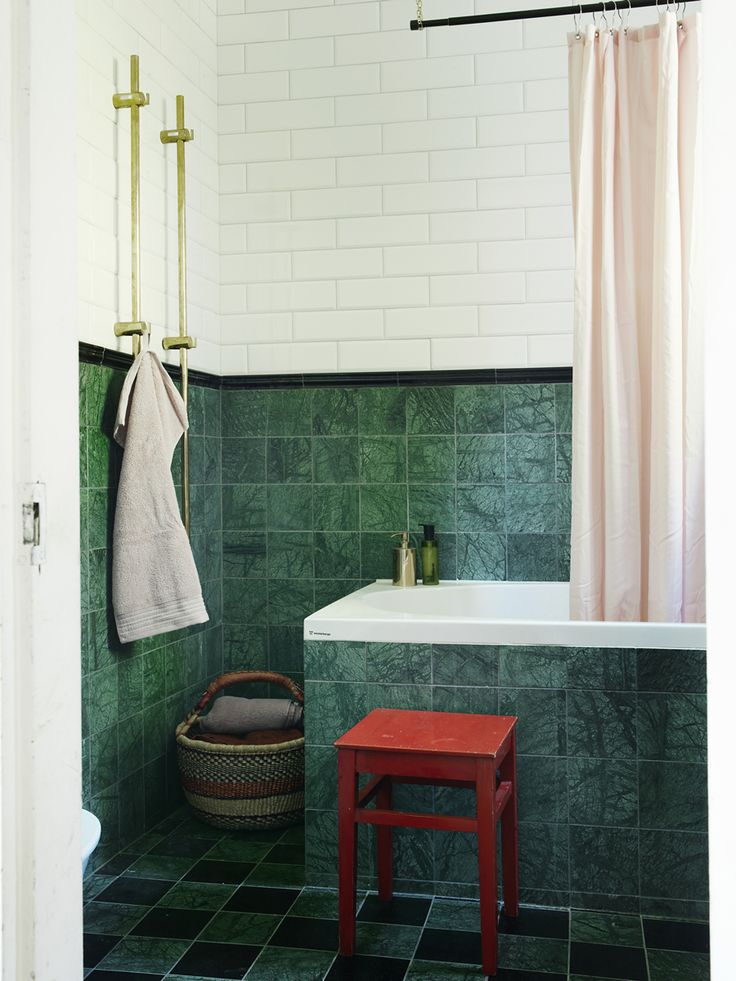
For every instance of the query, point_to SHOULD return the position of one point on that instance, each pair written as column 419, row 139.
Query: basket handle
column 233, row 677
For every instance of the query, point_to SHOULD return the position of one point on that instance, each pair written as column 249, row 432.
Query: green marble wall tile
column 457, row 664
column 335, row 412
column 430, row 410
column 289, row 412
column 285, row 649
column 532, row 667
column 382, row 411
column 533, row 558
column 481, row 556
column 102, row 459
column 289, row 507
column 196, row 409
column 530, row 408
column 130, row 743
column 243, row 460
column 212, row 411
column 603, row 792
column 196, row 461
column 83, row 465
column 563, row 461
column 673, row 796
column 383, row 507
column 598, row 667
column 336, row 459
column 602, row 724
column 328, row 591
column 337, row 554
column 289, row 460
column 674, row 864
column 102, row 687
column 399, row 663
column 103, row 759
column 479, row 409
column 245, row 602
column 245, row 647
column 604, row 860
column 244, row 555
column 531, row 508
column 432, row 504
column 244, row 413
column 244, row 507
column 326, row 660
column 672, row 727
column 431, row 459
column 530, row 458
column 376, row 556
column 383, row 459
column 675, row 671
column 130, row 686
column 542, row 713
column 477, row 700
column 337, row 508
column 563, row 408
column 290, row 600
column 542, row 789
column 393, row 696
column 544, row 856
column 481, row 508
column 291, row 555
column 341, row 706
column 320, row 777
column 481, row 459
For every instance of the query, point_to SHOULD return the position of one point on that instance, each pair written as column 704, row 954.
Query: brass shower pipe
column 134, row 100
column 182, row 343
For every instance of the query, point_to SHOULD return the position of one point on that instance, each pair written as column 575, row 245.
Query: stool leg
column 510, row 835
column 385, row 848
column 485, row 790
column 347, row 847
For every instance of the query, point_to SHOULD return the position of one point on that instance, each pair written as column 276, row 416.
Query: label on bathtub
column 319, row 633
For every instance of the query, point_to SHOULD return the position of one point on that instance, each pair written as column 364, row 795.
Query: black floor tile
column 96, row 946
column 671, row 935
column 122, row 976
column 550, row 923
column 607, row 961
column 408, row 910
column 182, row 846
column 306, row 933
column 259, row 899
column 217, row 960
column 452, row 946
column 285, row 854
column 361, row 968
column 209, row 870
column 135, row 891
column 505, row 974
column 181, row 924
column 118, row 864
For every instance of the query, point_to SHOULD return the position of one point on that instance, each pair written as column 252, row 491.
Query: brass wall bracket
column 126, row 100
column 132, row 328
column 177, row 135
column 177, row 343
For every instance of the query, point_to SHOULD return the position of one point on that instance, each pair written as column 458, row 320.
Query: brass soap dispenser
column 405, row 562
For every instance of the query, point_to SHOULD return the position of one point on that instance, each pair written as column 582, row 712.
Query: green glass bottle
column 430, row 558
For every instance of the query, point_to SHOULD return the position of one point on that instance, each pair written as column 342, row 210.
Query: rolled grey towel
column 233, row 716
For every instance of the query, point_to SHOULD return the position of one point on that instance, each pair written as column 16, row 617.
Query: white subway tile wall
column 406, row 203
column 177, row 44
column 361, row 197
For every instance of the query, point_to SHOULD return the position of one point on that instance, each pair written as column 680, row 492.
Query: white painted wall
column 176, row 42
column 391, row 200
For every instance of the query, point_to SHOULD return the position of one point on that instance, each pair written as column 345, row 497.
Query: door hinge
column 34, row 521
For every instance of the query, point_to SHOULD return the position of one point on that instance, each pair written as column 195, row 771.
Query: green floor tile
column 198, row 895
column 454, row 914
column 432, row 971
column 240, row 928
column 606, row 928
column 115, row 919
column 532, row 954
column 318, row 903
column 94, row 884
column 160, row 867
column 145, row 955
column 289, row 964
column 675, row 965
column 291, row 876
column 233, row 850
column 386, row 939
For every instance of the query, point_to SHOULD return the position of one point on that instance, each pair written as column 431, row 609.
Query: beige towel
column 155, row 586
column 234, row 715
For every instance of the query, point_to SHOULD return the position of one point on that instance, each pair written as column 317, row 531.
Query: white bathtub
column 511, row 613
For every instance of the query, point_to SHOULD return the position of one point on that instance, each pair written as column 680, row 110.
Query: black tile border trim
column 93, row 354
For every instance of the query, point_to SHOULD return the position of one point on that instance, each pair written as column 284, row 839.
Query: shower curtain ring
column 578, row 21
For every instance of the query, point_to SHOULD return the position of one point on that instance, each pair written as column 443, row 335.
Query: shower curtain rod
column 587, row 8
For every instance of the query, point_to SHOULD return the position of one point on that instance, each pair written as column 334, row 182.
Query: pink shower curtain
column 638, row 526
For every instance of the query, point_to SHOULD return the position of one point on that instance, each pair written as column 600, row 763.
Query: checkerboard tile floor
column 189, row 903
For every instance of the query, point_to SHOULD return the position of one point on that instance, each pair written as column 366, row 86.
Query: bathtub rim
column 344, row 621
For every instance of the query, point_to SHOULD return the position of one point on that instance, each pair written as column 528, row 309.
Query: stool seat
column 454, row 733
column 447, row 749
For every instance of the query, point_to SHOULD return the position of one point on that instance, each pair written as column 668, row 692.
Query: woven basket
column 241, row 787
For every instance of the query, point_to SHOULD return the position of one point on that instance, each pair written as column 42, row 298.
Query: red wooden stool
column 446, row 749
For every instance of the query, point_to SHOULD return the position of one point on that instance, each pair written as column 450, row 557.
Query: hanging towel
column 155, row 586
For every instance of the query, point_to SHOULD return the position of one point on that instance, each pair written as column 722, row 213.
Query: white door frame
column 40, row 710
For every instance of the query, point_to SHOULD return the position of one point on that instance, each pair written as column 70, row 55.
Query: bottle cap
column 428, row 533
